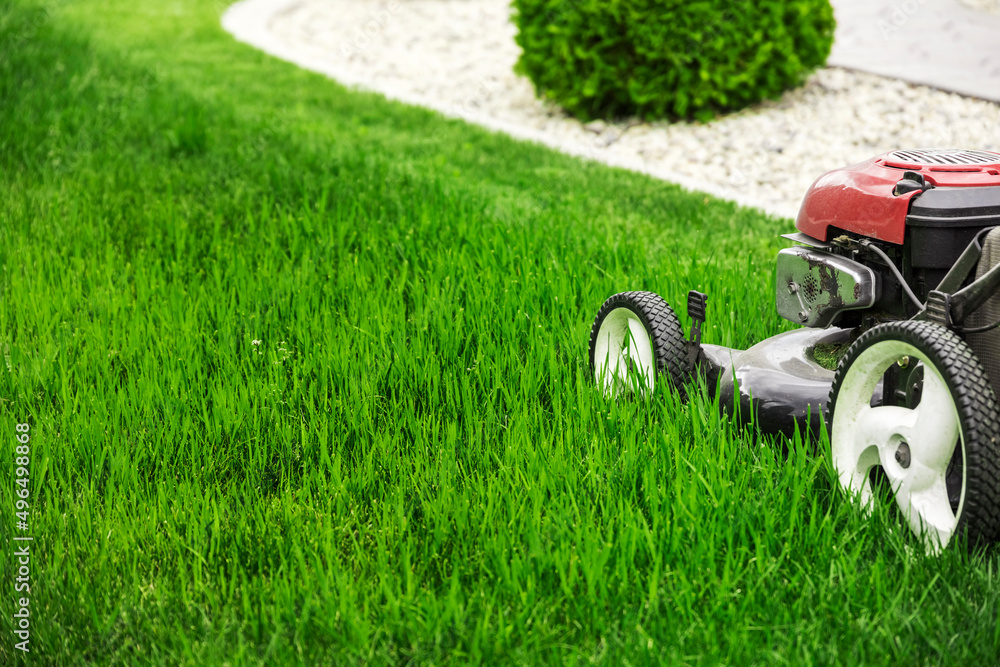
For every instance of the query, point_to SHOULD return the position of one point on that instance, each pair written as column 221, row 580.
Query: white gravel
column 457, row 56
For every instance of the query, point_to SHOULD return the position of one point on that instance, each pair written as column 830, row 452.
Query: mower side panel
column 858, row 199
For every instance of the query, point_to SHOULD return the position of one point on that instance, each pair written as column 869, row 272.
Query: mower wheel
column 636, row 339
column 935, row 432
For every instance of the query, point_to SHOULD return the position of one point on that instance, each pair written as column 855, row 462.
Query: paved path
column 938, row 43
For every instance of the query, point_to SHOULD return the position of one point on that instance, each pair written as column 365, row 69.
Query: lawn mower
column 895, row 280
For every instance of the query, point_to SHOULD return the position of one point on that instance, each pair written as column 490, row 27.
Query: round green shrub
column 669, row 58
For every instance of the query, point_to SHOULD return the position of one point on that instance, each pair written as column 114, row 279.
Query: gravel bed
column 457, row 56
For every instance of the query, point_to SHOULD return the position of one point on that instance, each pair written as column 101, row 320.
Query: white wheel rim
column 863, row 436
column 623, row 354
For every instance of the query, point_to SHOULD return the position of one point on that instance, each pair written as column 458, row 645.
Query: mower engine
column 896, row 283
column 883, row 234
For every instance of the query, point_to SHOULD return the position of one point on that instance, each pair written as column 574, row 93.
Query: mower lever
column 911, row 182
column 696, row 311
column 938, row 308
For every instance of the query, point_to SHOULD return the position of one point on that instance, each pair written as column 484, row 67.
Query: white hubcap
column 913, row 446
column 623, row 354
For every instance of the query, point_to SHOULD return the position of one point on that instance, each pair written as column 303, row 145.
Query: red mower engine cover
column 860, row 198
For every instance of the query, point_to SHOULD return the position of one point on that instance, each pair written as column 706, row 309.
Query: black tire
column 935, row 433
column 668, row 347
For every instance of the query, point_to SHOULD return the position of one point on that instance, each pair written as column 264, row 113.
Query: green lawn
column 412, row 464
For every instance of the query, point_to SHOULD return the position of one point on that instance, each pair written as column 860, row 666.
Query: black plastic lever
column 696, row 311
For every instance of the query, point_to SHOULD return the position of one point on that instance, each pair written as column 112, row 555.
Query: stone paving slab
column 938, row 43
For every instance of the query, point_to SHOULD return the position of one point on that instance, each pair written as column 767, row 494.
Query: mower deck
column 788, row 387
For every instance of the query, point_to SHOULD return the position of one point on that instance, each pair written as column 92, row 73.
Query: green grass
column 412, row 465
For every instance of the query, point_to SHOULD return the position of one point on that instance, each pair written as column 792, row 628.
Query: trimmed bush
column 669, row 58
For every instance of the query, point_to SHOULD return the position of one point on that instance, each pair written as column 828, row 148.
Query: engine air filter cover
column 936, row 159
